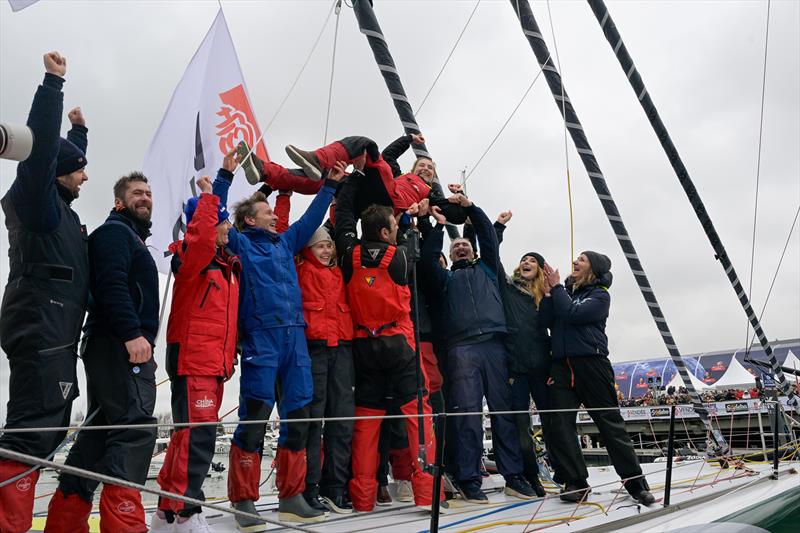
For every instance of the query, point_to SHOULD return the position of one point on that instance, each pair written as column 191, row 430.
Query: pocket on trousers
column 58, row 377
column 144, row 384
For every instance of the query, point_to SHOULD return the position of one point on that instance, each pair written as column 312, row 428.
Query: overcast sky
column 701, row 61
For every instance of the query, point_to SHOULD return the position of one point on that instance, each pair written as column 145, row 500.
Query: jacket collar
column 603, row 281
column 260, row 235
column 65, row 194
column 140, row 227
column 309, row 257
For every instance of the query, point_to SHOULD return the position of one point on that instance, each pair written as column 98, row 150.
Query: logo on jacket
column 373, row 252
column 205, row 403
column 370, row 280
column 65, row 388
column 126, row 507
column 238, row 123
column 24, row 484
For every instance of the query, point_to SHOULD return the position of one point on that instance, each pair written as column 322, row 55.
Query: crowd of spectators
column 681, row 396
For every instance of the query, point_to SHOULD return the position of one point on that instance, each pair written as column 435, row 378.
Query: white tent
column 677, row 382
column 792, row 362
column 735, row 376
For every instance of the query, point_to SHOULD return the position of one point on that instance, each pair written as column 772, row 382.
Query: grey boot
column 248, row 525
column 252, row 165
column 296, row 509
column 307, row 161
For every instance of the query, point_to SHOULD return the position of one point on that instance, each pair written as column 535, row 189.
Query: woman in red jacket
column 329, row 335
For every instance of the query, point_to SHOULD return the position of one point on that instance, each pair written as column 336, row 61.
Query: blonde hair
column 535, row 286
column 414, row 166
column 586, row 279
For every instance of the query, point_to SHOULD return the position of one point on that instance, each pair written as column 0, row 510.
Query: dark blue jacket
column 123, row 280
column 579, row 319
column 34, row 193
column 472, row 310
column 269, row 296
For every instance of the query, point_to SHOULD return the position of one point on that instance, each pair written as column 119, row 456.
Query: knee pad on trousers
column 67, row 513
column 16, row 499
column 121, row 510
column 297, row 432
column 244, row 474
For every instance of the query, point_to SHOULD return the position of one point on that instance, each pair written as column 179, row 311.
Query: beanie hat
column 600, row 263
column 538, row 257
column 70, row 158
column 191, row 207
column 319, row 236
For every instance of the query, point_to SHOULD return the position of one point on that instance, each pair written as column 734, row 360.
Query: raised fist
column 75, row 116
column 437, row 215
column 504, row 217
column 230, row 161
column 55, row 63
column 204, row 184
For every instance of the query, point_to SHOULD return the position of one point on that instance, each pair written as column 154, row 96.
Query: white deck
column 703, row 491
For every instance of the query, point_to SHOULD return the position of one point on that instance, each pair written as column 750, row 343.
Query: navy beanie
column 70, row 158
column 600, row 263
column 538, row 257
column 191, row 207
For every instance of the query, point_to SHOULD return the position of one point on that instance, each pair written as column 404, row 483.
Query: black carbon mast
column 534, row 36
column 637, row 84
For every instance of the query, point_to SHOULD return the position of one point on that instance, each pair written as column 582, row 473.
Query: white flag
column 19, row 5
column 208, row 115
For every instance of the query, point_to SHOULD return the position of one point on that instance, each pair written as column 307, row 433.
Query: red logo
column 238, row 123
column 24, row 484
column 126, row 507
column 246, row 461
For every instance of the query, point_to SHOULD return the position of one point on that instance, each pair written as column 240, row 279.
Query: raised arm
column 393, row 152
column 283, row 206
column 344, row 233
column 200, row 242
column 33, row 192
column 77, row 135
column 434, row 274
column 487, row 238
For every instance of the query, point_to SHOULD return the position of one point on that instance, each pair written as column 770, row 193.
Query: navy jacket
column 579, row 319
column 472, row 310
column 123, row 280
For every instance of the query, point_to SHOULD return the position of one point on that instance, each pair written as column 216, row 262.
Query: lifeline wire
column 79, row 472
column 598, row 181
column 637, row 84
column 447, row 60
column 758, row 178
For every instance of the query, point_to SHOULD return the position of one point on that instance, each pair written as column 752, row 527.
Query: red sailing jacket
column 205, row 298
column 324, row 303
column 404, row 190
column 380, row 306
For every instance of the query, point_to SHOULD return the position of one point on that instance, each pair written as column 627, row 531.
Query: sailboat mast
column 637, row 84
column 532, row 32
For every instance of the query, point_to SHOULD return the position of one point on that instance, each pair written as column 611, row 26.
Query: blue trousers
column 270, row 357
column 476, row 371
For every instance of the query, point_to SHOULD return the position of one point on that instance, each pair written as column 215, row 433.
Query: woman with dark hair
column 581, row 374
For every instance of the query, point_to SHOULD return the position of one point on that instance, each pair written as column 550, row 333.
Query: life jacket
column 325, row 305
column 203, row 319
column 380, row 307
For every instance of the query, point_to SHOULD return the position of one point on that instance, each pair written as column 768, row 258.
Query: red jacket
column 205, row 298
column 324, row 303
column 404, row 190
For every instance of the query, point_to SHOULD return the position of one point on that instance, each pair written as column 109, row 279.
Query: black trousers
column 125, row 395
column 589, row 381
column 523, row 388
column 332, row 370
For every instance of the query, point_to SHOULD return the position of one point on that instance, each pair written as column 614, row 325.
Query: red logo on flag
column 238, row 123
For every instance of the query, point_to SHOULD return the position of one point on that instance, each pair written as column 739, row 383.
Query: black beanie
column 538, row 257
column 600, row 263
column 70, row 158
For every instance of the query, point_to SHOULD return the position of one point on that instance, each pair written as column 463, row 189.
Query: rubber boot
column 296, row 509
column 245, row 524
column 364, row 484
column 67, row 514
column 16, row 499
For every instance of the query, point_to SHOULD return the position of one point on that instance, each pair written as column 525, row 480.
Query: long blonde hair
column 586, row 279
column 535, row 286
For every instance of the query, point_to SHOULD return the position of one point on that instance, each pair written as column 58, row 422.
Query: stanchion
column 775, row 439
column 441, row 421
column 670, row 451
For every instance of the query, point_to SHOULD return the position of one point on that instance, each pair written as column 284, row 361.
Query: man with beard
column 474, row 327
column 45, row 298
column 120, row 333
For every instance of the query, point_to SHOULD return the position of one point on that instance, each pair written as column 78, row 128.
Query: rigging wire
column 566, row 145
column 447, row 60
column 758, row 175
column 333, row 69
column 503, row 127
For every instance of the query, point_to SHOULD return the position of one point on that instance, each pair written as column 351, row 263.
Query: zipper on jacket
column 211, row 283
column 571, row 375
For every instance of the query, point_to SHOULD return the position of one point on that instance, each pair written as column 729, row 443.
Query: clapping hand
column 551, row 277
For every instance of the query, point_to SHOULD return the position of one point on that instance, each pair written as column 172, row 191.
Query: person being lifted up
column 201, row 344
column 474, row 330
column 376, row 271
column 273, row 348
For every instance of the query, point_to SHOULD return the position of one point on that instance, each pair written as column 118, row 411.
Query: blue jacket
column 578, row 328
column 472, row 310
column 269, row 296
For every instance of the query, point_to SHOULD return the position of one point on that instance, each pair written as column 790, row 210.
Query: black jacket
column 579, row 318
column 469, row 293
column 123, row 280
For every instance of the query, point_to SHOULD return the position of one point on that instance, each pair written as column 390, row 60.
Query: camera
column 16, row 142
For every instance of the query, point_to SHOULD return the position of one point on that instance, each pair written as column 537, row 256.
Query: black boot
column 575, row 492
column 311, row 496
column 336, row 502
